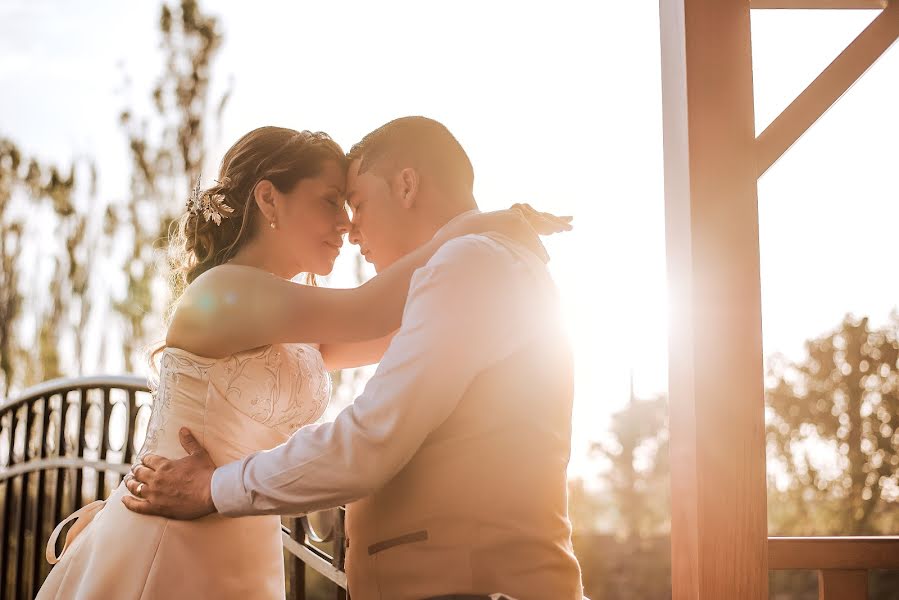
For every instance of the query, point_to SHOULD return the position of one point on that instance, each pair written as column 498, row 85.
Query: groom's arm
column 474, row 304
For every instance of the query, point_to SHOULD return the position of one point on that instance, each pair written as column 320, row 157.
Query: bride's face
column 312, row 221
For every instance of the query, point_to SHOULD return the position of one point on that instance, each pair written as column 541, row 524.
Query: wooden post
column 843, row 585
column 719, row 528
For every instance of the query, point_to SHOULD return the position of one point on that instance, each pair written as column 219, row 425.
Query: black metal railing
column 68, row 442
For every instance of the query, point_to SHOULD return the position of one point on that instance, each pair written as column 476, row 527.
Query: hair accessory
column 211, row 206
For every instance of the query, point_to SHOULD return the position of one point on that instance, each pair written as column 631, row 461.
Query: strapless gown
column 236, row 405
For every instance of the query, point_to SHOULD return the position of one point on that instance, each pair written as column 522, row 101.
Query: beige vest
column 482, row 506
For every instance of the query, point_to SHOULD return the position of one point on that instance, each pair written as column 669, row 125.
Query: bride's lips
column 336, row 247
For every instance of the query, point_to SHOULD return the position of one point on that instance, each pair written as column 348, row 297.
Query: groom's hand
column 177, row 489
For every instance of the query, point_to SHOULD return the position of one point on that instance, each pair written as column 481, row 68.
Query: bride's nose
column 343, row 222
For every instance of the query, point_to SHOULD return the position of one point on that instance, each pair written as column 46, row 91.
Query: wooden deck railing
column 67, row 442
column 842, row 563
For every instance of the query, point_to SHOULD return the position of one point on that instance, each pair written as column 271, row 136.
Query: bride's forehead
column 333, row 173
column 330, row 176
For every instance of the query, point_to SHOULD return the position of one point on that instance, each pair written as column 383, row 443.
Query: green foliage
column 10, row 245
column 831, row 432
column 167, row 153
column 37, row 207
column 44, row 314
column 621, row 530
column 639, row 475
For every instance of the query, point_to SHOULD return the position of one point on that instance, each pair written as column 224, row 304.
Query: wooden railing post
column 842, row 585
column 842, row 563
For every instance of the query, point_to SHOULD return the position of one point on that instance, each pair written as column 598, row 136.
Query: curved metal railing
column 67, row 442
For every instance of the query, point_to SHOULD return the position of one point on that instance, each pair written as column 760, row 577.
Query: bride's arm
column 232, row 308
column 355, row 354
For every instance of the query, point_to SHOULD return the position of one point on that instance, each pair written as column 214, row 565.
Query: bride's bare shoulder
column 211, row 304
column 227, row 275
column 220, row 288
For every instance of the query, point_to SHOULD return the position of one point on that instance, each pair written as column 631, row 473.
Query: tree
column 831, row 430
column 37, row 206
column 10, row 245
column 167, row 155
column 639, row 474
column 636, row 565
column 54, row 232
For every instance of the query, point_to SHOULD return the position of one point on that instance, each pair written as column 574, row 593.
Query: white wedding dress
column 234, row 406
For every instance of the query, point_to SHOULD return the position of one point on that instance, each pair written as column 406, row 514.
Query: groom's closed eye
column 353, row 206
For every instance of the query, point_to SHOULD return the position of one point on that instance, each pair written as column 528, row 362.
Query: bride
column 256, row 372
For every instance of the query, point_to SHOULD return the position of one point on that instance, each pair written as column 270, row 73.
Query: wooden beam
column 819, row 4
column 829, row 86
column 837, row 553
column 718, row 496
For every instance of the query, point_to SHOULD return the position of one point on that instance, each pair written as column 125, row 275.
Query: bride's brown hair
column 277, row 154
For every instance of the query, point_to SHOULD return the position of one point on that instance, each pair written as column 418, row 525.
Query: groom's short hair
column 418, row 142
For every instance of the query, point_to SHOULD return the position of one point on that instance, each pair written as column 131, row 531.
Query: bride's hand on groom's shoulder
column 176, row 489
column 521, row 222
column 543, row 223
column 518, row 222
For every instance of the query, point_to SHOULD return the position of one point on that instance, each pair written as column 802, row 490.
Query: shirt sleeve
column 471, row 306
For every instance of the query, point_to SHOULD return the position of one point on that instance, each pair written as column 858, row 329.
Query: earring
column 272, row 225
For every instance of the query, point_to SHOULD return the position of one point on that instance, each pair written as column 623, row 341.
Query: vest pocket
column 409, row 538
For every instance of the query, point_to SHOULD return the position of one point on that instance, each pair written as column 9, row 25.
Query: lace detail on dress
column 287, row 392
column 170, row 370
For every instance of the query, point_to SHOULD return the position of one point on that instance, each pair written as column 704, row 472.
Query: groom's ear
column 408, row 182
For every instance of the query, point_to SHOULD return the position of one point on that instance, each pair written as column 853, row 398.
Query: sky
column 558, row 104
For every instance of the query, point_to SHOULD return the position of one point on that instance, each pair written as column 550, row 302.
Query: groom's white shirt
column 477, row 301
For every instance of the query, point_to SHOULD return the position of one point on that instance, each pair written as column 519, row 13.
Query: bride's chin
column 326, row 268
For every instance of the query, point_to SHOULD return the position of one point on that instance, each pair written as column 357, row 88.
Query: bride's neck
column 260, row 255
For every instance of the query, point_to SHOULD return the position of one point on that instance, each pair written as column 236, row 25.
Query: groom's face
column 378, row 217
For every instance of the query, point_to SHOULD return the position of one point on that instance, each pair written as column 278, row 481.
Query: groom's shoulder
column 474, row 251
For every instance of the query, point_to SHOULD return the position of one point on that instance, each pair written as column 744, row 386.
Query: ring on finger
column 140, row 488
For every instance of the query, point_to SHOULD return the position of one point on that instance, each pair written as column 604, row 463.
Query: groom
column 453, row 460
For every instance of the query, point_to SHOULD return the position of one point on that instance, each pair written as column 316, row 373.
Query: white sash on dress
column 85, row 515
